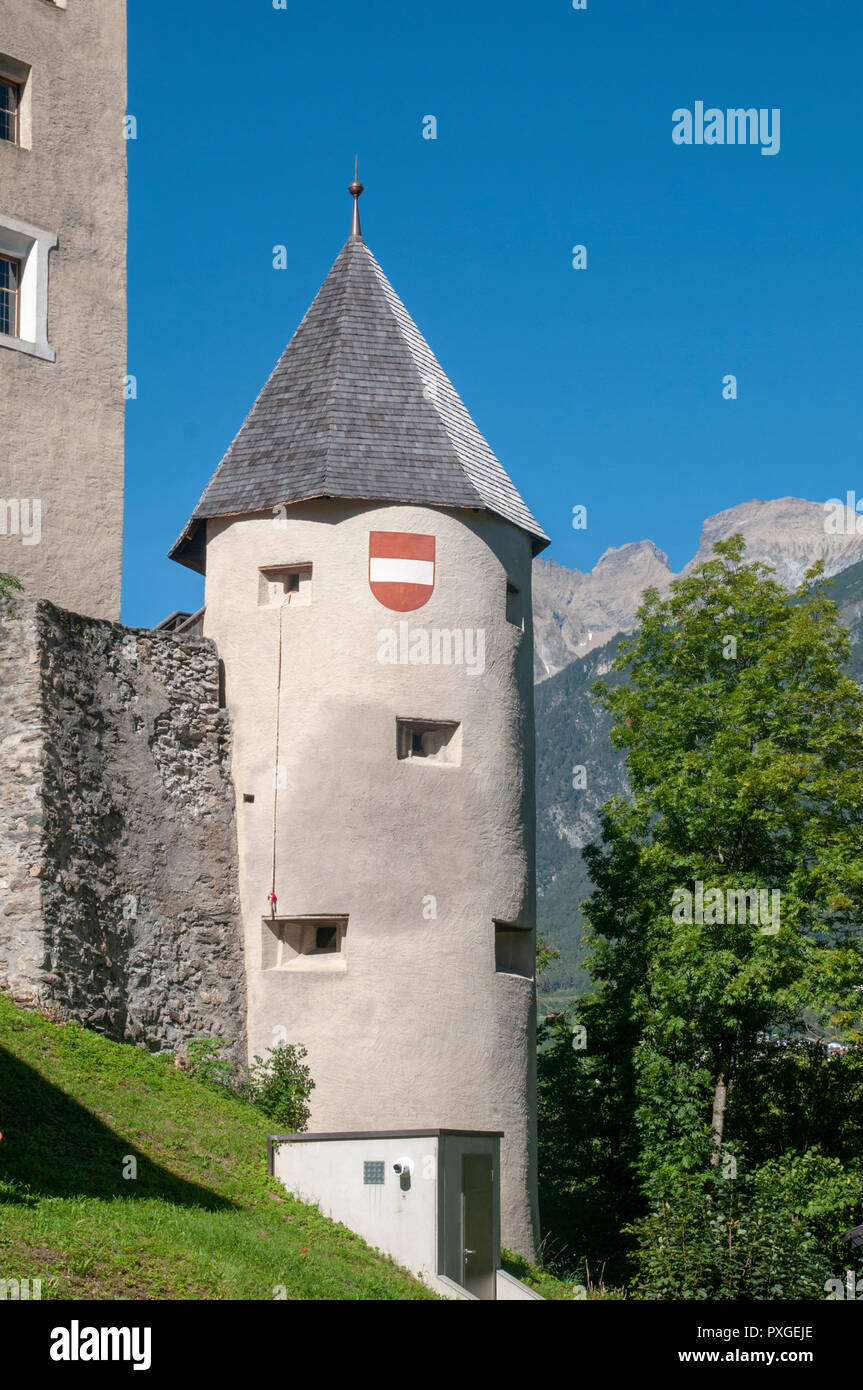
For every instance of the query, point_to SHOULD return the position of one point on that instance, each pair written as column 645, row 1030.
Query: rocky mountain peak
column 575, row 612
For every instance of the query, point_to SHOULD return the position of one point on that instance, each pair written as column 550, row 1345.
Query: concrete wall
column 417, row 1028
column 118, row 862
column 399, row 1219
column 512, row 1290
column 61, row 422
column 416, row 1219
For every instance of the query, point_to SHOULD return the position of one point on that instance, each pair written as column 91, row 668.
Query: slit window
column 10, row 295
column 514, row 606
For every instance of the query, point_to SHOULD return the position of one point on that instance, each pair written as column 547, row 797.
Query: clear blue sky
column 601, row 387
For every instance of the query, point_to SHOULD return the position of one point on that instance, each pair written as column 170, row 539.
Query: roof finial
column 355, row 189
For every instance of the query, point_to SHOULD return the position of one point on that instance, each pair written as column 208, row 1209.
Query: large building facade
column 368, row 569
column 63, row 299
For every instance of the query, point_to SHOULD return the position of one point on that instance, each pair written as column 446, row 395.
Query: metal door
column 477, row 1225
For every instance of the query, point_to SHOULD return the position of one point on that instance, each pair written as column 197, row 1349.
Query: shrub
column 205, row 1062
column 280, row 1086
column 8, row 585
column 773, row 1235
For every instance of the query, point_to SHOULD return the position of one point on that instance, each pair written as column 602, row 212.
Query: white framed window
column 27, row 249
column 10, row 295
column 15, row 102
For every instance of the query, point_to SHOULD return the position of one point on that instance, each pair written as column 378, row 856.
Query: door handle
column 469, row 1252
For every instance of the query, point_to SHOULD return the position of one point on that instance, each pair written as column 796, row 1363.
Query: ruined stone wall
column 21, row 740
column 118, row 869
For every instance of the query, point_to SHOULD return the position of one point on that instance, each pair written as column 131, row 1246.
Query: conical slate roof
column 357, row 407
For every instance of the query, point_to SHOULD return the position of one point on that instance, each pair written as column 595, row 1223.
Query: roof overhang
column 190, row 548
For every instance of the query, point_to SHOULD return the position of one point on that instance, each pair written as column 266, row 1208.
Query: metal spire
column 355, row 189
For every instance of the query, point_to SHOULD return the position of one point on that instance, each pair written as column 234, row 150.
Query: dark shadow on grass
column 54, row 1147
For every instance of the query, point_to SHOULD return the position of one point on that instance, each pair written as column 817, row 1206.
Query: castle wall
column 117, row 837
column 22, row 738
column 412, row 1024
column 62, row 421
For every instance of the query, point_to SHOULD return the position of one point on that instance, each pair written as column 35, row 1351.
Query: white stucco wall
column 418, row 1030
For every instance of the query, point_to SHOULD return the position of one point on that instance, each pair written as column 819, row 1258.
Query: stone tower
column 63, row 299
column 368, row 570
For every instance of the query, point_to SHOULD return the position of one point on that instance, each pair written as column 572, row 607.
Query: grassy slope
column 201, row 1221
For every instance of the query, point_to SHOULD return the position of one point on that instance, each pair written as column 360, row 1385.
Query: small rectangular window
column 514, row 606
column 429, row 741
column 10, row 105
column 514, row 950
column 300, row 943
column 285, row 584
column 24, row 287
column 10, row 295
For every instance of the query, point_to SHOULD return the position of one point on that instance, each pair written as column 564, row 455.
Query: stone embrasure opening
column 513, row 950
column 429, row 740
column 299, row 943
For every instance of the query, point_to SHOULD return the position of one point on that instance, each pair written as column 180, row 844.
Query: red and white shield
column 401, row 569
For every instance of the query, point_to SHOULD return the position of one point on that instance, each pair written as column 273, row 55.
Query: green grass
column 536, row 1279
column 200, row 1221
column 551, row 1287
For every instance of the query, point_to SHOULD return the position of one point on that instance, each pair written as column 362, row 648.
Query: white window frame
column 21, row 74
column 31, row 246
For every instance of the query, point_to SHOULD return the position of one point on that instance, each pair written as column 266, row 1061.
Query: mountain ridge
column 576, row 611
column 572, row 733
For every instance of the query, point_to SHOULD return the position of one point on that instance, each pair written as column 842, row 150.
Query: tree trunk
column 720, row 1098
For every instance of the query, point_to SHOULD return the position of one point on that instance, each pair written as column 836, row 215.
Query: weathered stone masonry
column 118, row 865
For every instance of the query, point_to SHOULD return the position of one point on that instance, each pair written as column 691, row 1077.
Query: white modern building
column 429, row 1198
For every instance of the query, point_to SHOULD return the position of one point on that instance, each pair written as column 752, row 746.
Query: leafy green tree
column 743, row 740
column 768, row 1233
column 544, row 954
column 744, row 749
column 587, row 1142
